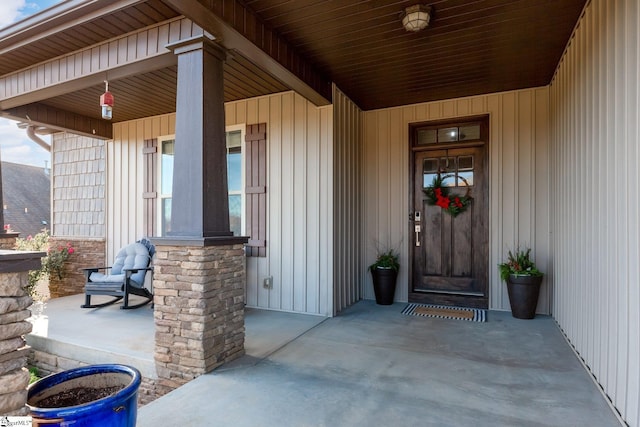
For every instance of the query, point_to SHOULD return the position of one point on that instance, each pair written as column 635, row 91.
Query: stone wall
column 8, row 240
column 87, row 253
column 47, row 364
column 14, row 378
column 148, row 391
column 14, row 304
column 199, row 310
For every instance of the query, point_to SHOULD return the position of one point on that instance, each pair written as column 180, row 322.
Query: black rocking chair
column 125, row 277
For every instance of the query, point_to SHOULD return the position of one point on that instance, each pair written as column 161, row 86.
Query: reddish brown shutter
column 256, row 189
column 150, row 193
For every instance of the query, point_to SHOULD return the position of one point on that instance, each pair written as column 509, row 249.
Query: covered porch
column 371, row 365
column 559, row 90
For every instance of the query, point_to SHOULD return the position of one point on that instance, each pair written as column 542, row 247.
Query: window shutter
column 256, row 189
column 150, row 193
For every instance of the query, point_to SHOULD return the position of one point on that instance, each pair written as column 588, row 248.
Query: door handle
column 417, row 233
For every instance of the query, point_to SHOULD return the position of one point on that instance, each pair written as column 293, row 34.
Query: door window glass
column 465, row 171
column 459, row 170
column 429, row 171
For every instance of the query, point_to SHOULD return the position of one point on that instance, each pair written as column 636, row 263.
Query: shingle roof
column 26, row 194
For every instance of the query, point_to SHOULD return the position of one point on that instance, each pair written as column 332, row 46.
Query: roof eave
column 56, row 18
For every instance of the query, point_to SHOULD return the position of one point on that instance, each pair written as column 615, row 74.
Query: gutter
column 31, row 133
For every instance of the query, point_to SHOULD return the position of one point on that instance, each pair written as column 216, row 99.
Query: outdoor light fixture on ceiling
column 106, row 102
column 416, row 17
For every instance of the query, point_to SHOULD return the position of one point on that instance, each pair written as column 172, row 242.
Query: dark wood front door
column 450, row 254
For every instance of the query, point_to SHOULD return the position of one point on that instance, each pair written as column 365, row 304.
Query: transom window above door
column 448, row 134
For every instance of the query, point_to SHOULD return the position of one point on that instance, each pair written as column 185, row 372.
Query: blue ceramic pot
column 116, row 410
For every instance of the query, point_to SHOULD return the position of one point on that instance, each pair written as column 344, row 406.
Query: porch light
column 106, row 102
column 416, row 17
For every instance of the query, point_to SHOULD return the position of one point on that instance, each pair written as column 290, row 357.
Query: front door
column 450, row 253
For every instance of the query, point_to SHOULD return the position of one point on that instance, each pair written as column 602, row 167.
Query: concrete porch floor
column 111, row 335
column 369, row 366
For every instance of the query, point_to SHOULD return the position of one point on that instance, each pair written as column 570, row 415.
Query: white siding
column 299, row 197
column 347, row 213
column 596, row 235
column 518, row 181
column 125, row 178
column 299, row 203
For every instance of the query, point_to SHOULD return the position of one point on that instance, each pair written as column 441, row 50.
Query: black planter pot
column 523, row 295
column 384, row 284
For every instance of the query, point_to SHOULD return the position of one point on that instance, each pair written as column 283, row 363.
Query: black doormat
column 445, row 312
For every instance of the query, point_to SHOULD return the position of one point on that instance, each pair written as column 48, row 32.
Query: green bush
column 38, row 243
column 33, row 374
column 518, row 263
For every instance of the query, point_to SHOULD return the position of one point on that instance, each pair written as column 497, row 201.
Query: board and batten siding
column 125, row 178
column 348, row 197
column 595, row 133
column 299, row 203
column 518, row 150
column 299, row 197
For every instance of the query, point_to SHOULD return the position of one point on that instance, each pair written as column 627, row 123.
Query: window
column 442, row 135
column 235, row 179
column 167, row 150
column 457, row 171
column 246, row 175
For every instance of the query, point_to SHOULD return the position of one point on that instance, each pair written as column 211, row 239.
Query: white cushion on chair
column 106, row 278
column 135, row 255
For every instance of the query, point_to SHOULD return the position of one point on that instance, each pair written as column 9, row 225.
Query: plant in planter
column 384, row 272
column 523, row 282
column 94, row 395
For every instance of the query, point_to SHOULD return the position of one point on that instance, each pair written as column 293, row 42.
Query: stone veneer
column 199, row 316
column 88, row 253
column 14, row 304
column 199, row 310
column 8, row 240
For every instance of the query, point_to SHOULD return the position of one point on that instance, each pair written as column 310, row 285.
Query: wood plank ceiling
column 139, row 96
column 80, row 36
column 470, row 47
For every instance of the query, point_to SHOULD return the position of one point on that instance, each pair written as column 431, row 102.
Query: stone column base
column 14, row 304
column 199, row 310
column 8, row 240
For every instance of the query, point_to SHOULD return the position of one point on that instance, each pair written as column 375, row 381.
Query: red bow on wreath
column 439, row 196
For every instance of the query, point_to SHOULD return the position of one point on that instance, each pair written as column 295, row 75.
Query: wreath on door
column 438, row 195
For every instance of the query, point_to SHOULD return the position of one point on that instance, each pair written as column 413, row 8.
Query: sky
column 15, row 146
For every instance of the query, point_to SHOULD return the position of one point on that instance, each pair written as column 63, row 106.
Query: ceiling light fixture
column 416, row 17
